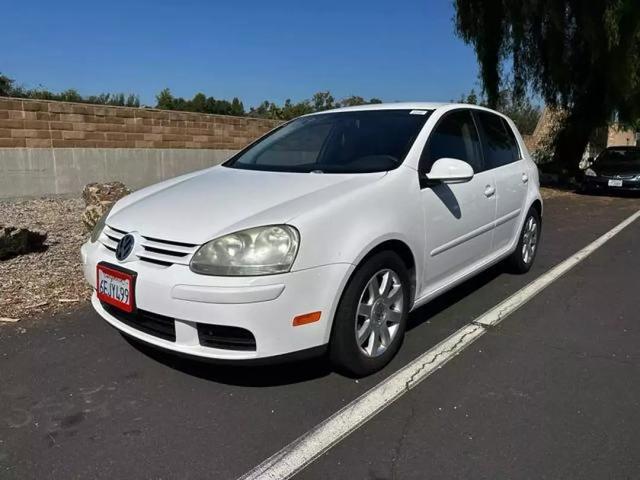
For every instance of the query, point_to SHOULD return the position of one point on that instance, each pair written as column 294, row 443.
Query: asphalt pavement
column 552, row 392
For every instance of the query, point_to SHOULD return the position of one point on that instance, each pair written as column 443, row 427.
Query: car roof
column 404, row 106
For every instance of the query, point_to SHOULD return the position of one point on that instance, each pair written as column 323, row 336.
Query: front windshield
column 341, row 142
column 623, row 157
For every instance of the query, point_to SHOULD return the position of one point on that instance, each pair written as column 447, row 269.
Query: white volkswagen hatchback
column 321, row 236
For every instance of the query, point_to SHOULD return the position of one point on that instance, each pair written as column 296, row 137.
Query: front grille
column 147, row 322
column 620, row 177
column 227, row 338
column 156, row 251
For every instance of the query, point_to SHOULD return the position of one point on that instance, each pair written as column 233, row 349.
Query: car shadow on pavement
column 453, row 296
column 288, row 372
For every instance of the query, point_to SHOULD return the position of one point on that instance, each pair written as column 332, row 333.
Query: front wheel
column 371, row 318
column 522, row 258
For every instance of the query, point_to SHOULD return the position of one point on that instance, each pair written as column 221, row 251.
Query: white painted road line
column 304, row 450
column 299, row 453
column 522, row 296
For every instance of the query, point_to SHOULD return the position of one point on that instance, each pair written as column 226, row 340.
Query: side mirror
column 450, row 170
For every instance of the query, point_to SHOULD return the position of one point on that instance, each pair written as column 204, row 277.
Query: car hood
column 199, row 207
column 617, row 169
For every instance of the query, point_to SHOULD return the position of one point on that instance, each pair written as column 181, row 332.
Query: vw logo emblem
column 125, row 247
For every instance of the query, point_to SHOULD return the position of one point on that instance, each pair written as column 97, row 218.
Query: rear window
column 498, row 141
column 341, row 142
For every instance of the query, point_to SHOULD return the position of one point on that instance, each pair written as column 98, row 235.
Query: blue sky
column 256, row 50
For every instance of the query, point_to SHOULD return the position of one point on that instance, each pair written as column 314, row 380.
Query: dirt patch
column 50, row 280
column 548, row 193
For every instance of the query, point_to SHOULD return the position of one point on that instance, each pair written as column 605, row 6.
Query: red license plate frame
column 121, row 274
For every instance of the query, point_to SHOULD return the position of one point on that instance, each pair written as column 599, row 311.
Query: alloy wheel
column 379, row 313
column 529, row 240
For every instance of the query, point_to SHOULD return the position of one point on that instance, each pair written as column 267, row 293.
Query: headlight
column 99, row 226
column 590, row 173
column 256, row 251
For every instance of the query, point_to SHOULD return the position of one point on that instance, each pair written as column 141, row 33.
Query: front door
column 459, row 217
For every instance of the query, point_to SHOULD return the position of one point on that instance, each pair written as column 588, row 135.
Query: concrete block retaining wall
column 55, row 148
column 35, row 172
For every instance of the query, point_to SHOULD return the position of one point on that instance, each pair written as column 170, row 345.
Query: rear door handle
column 489, row 190
column 525, row 178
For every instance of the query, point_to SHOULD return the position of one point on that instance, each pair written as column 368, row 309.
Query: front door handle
column 525, row 178
column 489, row 190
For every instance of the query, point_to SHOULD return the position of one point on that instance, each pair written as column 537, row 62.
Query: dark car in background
column 616, row 168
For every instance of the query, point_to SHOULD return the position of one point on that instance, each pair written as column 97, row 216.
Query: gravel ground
column 51, row 280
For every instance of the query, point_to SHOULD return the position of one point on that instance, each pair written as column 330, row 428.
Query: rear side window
column 454, row 137
column 498, row 141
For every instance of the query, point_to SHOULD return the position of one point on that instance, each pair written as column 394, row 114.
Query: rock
column 95, row 193
column 9, row 319
column 18, row 241
column 92, row 214
column 98, row 197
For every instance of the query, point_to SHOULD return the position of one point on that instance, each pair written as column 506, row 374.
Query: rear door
column 503, row 158
column 458, row 217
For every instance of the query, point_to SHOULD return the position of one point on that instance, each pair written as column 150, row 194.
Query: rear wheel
column 522, row 258
column 370, row 322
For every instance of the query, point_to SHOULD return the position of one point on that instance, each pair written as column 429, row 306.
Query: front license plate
column 615, row 183
column 115, row 287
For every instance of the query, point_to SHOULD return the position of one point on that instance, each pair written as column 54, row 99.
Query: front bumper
column 602, row 183
column 264, row 306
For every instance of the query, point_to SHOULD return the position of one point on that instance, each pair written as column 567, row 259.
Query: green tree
column 237, row 108
column 519, row 109
column 322, row 101
column 266, row 110
column 6, row 86
column 355, row 100
column 352, row 101
column 70, row 95
column 132, row 100
column 198, row 103
column 581, row 56
column 165, row 99
column 292, row 110
column 470, row 98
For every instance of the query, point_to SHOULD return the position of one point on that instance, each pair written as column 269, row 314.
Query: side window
column 498, row 141
column 454, row 137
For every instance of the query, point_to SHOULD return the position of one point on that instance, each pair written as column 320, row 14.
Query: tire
column 584, row 189
column 385, row 313
column 522, row 258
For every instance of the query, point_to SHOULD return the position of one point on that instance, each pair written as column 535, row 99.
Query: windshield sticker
column 418, row 112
